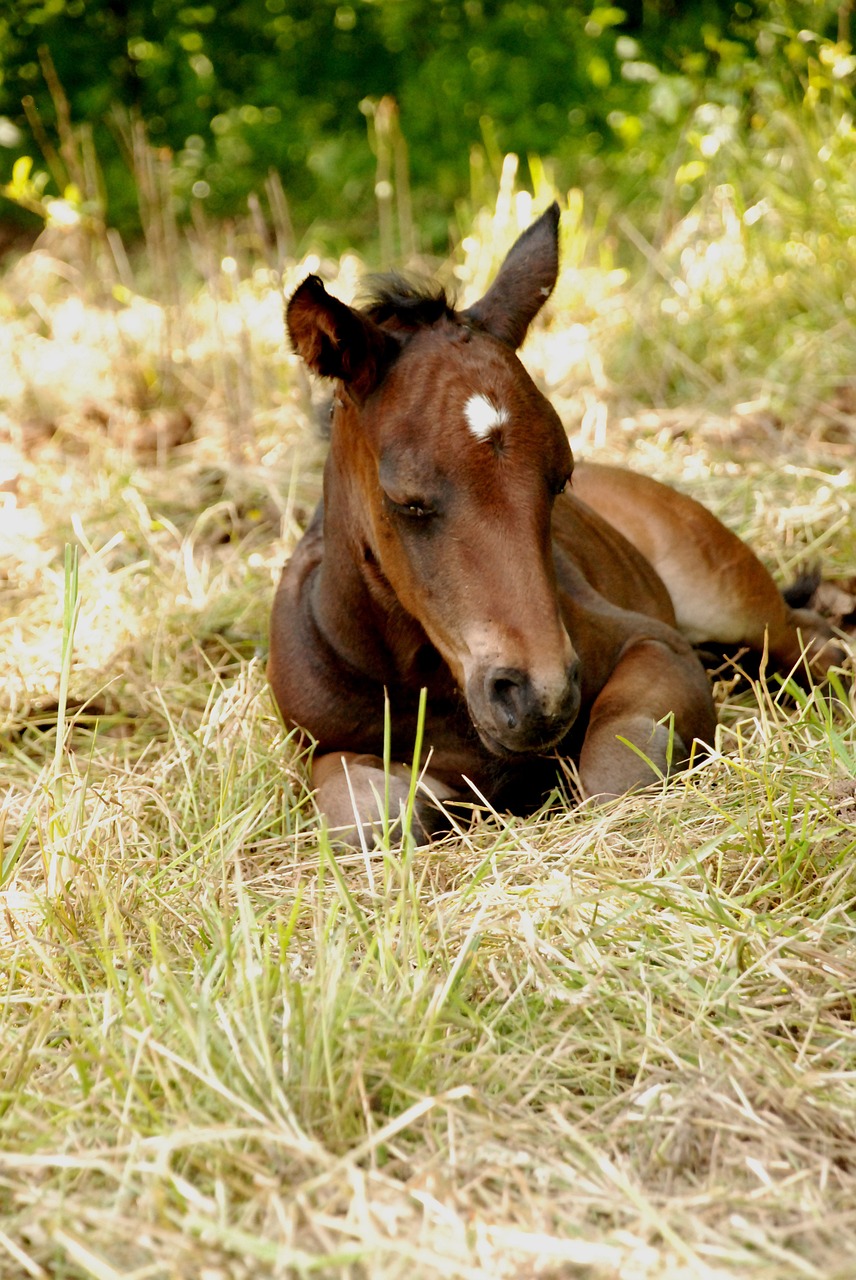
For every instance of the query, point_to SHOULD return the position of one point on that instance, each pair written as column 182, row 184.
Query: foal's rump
column 720, row 590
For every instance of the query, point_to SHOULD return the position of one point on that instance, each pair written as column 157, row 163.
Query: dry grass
column 597, row 1044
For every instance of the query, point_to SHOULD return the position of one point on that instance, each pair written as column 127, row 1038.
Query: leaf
column 690, row 172
column 607, row 16
column 598, row 71
column 21, row 170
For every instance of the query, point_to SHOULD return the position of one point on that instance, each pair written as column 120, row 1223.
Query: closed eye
column 411, row 509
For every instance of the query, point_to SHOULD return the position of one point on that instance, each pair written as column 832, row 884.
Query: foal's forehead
column 465, row 382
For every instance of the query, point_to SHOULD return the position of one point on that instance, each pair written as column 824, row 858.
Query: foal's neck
column 375, row 637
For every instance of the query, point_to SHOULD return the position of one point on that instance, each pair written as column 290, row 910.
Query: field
column 615, row 1042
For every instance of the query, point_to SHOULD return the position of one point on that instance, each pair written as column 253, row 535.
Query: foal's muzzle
column 514, row 714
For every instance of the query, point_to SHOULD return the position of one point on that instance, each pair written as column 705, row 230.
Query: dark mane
column 404, row 304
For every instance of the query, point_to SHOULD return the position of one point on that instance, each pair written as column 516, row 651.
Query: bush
column 633, row 101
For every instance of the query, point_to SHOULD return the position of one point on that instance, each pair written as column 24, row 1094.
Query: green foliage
column 632, row 98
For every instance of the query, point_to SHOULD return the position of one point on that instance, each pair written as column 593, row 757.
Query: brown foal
column 548, row 611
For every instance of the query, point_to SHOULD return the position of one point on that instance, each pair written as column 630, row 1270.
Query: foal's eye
column 411, row 510
column 562, row 486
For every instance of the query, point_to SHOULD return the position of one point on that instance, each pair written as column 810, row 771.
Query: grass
column 614, row 1042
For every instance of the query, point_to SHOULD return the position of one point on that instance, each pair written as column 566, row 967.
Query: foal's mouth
column 533, row 746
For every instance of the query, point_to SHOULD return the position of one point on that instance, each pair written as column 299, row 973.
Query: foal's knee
column 622, row 756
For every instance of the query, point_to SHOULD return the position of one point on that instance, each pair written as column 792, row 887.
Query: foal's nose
column 528, row 716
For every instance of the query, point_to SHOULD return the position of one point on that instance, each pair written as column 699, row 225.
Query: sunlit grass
column 612, row 1041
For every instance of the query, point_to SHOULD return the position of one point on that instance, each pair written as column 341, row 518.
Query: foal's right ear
column 336, row 341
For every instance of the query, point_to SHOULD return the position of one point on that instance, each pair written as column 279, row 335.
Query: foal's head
column 445, row 462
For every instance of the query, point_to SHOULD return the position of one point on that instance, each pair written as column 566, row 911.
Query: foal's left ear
column 525, row 282
column 336, row 341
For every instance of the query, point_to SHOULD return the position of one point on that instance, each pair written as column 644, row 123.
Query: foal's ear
column 335, row 340
column 525, row 282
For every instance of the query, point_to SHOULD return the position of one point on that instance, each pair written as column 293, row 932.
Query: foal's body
column 543, row 618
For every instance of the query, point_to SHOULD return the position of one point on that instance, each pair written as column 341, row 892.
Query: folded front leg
column 351, row 791
column 652, row 681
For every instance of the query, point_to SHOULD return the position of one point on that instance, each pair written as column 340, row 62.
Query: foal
column 545, row 616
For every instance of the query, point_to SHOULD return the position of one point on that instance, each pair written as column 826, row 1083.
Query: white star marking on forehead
column 483, row 416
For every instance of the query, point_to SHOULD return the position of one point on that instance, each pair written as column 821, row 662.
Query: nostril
column 505, row 693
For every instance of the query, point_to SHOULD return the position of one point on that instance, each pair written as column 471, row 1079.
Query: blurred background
column 383, row 124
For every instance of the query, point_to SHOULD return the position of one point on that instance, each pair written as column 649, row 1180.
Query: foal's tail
column 800, row 593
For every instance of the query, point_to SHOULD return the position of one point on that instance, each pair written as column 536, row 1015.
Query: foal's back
column 720, row 591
